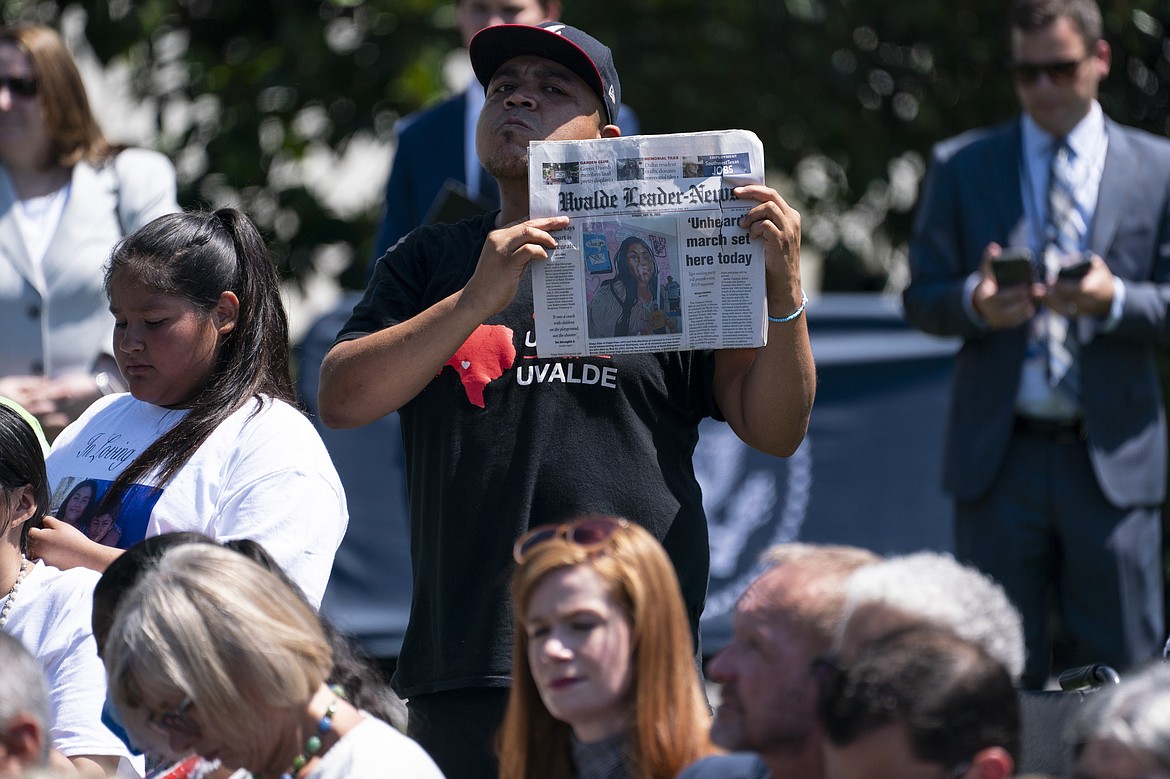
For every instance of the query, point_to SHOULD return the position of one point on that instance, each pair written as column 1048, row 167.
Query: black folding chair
column 1045, row 717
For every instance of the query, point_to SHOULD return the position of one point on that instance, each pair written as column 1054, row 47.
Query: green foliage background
column 847, row 95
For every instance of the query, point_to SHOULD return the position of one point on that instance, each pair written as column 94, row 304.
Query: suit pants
column 1046, row 533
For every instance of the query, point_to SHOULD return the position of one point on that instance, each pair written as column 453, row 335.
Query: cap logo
column 556, row 28
column 612, row 98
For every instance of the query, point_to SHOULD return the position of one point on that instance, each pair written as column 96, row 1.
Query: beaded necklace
column 313, row 742
column 12, row 593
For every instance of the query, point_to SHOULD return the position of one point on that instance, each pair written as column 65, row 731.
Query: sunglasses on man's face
column 1058, row 72
column 22, row 87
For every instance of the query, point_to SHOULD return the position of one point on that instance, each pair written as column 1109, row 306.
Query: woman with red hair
column 604, row 676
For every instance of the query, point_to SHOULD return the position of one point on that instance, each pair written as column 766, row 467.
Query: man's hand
column 779, row 225
column 1090, row 295
column 766, row 394
column 505, row 255
column 366, row 378
column 1006, row 307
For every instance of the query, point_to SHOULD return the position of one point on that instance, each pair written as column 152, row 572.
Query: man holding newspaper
column 496, row 438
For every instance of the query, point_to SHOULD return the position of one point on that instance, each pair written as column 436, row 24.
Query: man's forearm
column 364, row 379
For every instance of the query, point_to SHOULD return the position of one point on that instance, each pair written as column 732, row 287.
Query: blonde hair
column 74, row 133
column 670, row 717
column 211, row 625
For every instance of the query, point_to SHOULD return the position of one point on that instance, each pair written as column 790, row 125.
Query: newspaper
column 654, row 258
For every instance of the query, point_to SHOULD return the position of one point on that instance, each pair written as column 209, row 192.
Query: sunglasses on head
column 1057, row 72
column 24, row 87
column 590, row 533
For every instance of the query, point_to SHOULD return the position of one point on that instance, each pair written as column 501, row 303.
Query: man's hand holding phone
column 1083, row 287
column 1013, row 266
column 1006, row 295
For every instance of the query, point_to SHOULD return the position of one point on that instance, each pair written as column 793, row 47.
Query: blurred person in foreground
column 919, row 703
column 443, row 335
column 48, row 611
column 1056, row 450
column 605, row 678
column 24, row 711
column 936, row 589
column 785, row 619
column 67, row 194
column 1123, row 731
column 352, row 671
column 212, row 654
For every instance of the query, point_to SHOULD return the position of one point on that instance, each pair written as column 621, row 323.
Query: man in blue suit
column 1056, row 451
column 435, row 156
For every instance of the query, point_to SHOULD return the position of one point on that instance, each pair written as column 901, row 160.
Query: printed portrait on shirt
column 113, row 520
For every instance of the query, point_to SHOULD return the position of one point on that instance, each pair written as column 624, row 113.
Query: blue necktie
column 1064, row 233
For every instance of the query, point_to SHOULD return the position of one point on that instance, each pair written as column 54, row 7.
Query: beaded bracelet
column 313, row 744
column 782, row 319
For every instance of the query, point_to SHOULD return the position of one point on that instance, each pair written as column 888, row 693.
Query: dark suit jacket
column 430, row 152
column 972, row 197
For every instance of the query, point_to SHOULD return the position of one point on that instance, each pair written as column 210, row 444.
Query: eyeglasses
column 175, row 720
column 1057, row 72
column 589, row 533
column 22, row 87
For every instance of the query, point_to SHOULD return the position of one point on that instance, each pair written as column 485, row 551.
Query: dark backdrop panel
column 869, row 471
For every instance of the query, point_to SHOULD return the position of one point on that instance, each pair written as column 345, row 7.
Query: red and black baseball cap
column 576, row 50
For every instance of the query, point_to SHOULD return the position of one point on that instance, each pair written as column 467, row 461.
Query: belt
column 1064, row 431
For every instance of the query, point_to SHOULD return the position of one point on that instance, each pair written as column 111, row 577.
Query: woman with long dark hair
column 209, row 437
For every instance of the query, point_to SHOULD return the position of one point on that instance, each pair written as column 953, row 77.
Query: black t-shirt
column 501, row 440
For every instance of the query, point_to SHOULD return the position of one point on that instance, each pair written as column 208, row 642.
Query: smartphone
column 1013, row 267
column 1075, row 271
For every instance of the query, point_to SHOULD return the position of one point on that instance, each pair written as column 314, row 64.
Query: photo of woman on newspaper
column 628, row 304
